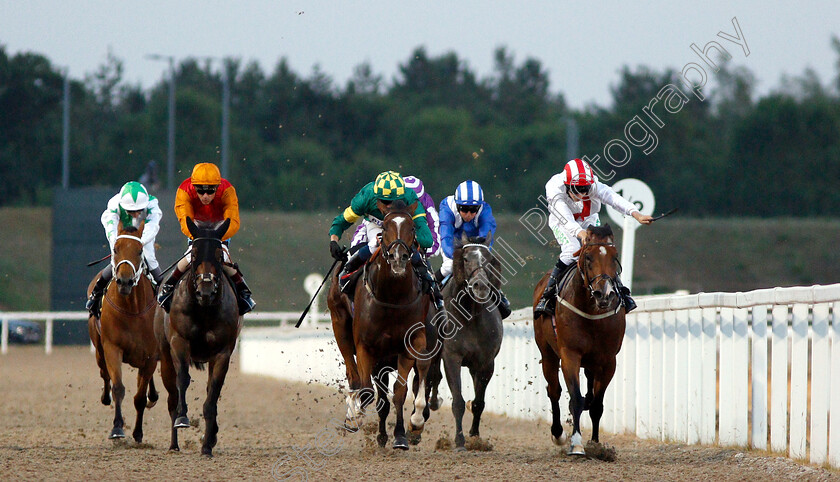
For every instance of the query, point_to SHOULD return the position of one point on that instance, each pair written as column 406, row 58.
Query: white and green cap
column 133, row 196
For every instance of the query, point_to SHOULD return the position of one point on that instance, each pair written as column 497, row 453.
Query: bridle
column 198, row 279
column 397, row 242
column 589, row 282
column 137, row 270
column 480, row 267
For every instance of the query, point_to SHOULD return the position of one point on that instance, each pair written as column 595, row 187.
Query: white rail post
column 820, row 385
column 759, row 377
column 834, row 408
column 48, row 338
column 311, row 284
column 4, row 338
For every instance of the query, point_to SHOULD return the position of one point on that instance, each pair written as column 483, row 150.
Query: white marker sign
column 639, row 194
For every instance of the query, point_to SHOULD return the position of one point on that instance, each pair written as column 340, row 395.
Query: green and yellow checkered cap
column 389, row 186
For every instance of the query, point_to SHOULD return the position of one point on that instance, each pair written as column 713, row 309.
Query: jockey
column 131, row 206
column 432, row 219
column 466, row 212
column 389, row 186
column 205, row 196
column 574, row 200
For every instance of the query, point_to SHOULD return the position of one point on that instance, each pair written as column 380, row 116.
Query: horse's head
column 599, row 266
column 398, row 234
column 475, row 265
column 127, row 260
column 207, row 255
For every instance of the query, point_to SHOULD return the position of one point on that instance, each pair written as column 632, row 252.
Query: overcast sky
column 582, row 46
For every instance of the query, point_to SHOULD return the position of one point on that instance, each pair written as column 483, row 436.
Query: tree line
column 304, row 143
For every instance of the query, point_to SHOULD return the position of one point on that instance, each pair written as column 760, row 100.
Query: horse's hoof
column 460, row 448
column 151, row 403
column 435, row 403
column 576, row 450
column 182, row 422
column 381, row 439
column 106, row 400
column 207, row 452
column 138, row 437
column 400, row 442
column 117, row 432
column 350, row 426
column 414, row 437
column 174, row 448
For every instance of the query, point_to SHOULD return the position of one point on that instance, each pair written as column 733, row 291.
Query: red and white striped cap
column 578, row 173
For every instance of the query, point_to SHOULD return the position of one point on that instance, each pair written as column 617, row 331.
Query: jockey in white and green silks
column 130, row 207
column 388, row 187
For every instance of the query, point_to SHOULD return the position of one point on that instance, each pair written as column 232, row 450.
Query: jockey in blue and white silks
column 465, row 212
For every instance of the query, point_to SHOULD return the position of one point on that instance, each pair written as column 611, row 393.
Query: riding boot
column 430, row 286
column 546, row 303
column 243, row 294
column 93, row 304
column 439, row 276
column 355, row 262
column 504, row 305
column 168, row 288
column 157, row 274
column 624, row 292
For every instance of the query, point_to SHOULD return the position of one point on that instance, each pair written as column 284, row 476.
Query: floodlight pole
column 170, row 148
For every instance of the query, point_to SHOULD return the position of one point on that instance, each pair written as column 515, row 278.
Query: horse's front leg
column 599, row 389
column 144, row 377
column 452, row 367
column 365, row 395
column 169, row 377
column 551, row 373
column 571, row 373
column 181, row 363
column 382, row 405
column 481, row 378
column 113, row 360
column 215, row 380
column 404, row 366
column 421, row 402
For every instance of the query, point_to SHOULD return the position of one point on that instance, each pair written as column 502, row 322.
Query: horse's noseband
column 208, row 278
column 137, row 270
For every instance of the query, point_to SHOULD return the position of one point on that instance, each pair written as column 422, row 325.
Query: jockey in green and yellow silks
column 388, row 187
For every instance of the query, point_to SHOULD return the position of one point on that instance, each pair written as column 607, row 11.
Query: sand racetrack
column 53, row 426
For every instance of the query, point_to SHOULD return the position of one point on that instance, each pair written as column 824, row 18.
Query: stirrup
column 545, row 306
column 246, row 304
column 92, row 304
column 504, row 307
column 164, row 297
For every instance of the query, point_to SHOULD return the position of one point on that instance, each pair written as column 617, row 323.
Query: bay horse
column 124, row 333
column 476, row 332
column 380, row 329
column 201, row 327
column 586, row 331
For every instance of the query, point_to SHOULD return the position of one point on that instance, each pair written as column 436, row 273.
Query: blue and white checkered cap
column 469, row 193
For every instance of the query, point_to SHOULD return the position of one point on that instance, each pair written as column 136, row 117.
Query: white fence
column 758, row 369
column 755, row 369
column 49, row 317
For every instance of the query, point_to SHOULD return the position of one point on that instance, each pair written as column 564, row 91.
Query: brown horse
column 389, row 305
column 589, row 321
column 201, row 326
column 125, row 331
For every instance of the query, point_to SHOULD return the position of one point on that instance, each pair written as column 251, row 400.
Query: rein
column 128, row 313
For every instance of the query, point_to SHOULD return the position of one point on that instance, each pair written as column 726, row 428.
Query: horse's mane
column 129, row 229
column 398, row 206
column 601, row 231
column 208, row 224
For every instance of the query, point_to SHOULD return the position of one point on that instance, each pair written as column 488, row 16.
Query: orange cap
column 206, row 173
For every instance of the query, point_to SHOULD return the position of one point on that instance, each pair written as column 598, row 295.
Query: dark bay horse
column 389, row 302
column 475, row 331
column 124, row 333
column 201, row 327
column 589, row 321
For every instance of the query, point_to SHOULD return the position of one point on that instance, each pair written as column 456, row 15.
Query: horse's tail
column 198, row 365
